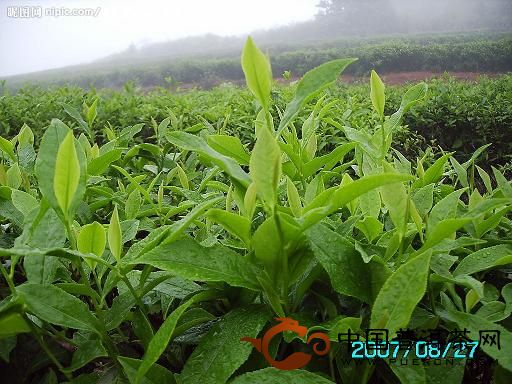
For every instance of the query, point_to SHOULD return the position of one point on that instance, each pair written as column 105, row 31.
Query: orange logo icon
column 297, row 359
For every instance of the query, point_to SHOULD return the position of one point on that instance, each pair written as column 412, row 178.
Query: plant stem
column 137, row 298
column 10, row 283
column 431, row 297
column 42, row 343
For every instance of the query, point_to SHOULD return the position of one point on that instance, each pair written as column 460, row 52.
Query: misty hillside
column 386, row 35
column 343, row 19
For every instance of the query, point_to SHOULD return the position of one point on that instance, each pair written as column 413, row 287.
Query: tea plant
column 148, row 262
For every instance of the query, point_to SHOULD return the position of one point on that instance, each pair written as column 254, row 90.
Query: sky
column 29, row 44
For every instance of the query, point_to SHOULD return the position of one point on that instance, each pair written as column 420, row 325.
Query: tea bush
column 149, row 260
column 474, row 52
column 456, row 115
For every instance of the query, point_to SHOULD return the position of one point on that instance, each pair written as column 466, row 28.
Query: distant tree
column 391, row 16
column 357, row 16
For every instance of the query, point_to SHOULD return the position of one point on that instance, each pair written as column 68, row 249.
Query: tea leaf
column 132, row 204
column 229, row 146
column 475, row 324
column 87, row 351
column 187, row 259
column 257, row 71
column 55, row 306
column 155, row 375
column 277, row 376
column 221, row 352
column 7, row 147
column 331, row 200
column 348, row 273
column 293, row 198
column 377, row 93
column 67, row 173
column 265, row 166
column 193, row 143
column 11, row 324
column 13, row 175
column 400, row 294
column 115, row 236
column 162, row 337
column 46, row 168
column 92, row 239
column 313, row 82
column 235, row 224
column 483, row 259
column 100, row 164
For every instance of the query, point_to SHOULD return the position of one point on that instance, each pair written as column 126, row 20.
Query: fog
column 32, row 44
column 135, row 30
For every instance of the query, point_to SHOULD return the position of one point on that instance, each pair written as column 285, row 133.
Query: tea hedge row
column 456, row 115
column 476, row 54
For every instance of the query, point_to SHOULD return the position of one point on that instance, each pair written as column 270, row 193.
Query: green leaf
column 461, row 172
column 257, row 71
column 221, row 352
column 409, row 99
column 191, row 142
column 46, row 168
column 7, row 147
column 11, row 324
column 162, row 337
column 6, row 347
column 400, row 294
column 445, row 373
column 91, row 112
column 13, row 175
column 44, row 229
column 115, row 236
column 444, row 209
column 268, row 247
column 188, row 259
column 348, row 273
column 423, row 199
column 377, row 93
column 229, row 146
column 100, row 164
column 26, row 136
column 327, row 161
column 67, row 173
column 92, row 239
column 409, row 373
column 71, row 111
column 237, row 225
column 331, row 200
column 434, row 173
column 293, row 198
column 484, row 259
column 56, row 306
column 313, row 82
column 395, row 198
column 504, row 185
column 132, row 205
column 156, row 374
column 88, row 349
column 475, row 324
column 443, row 230
column 24, row 202
column 277, row 376
column 265, row 166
